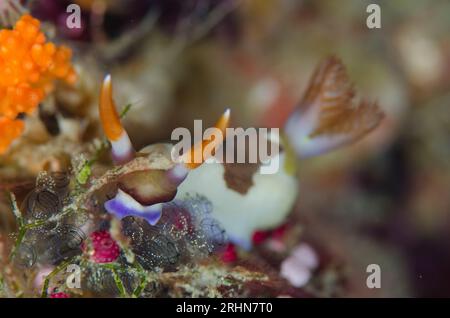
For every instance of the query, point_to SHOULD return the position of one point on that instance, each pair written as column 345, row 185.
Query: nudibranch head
column 149, row 177
column 327, row 117
column 144, row 183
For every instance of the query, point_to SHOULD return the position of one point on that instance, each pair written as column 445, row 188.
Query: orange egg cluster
column 28, row 68
column 10, row 129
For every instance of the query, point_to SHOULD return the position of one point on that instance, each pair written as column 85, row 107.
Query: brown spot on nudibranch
column 239, row 176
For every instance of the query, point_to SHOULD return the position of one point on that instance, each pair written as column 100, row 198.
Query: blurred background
column 384, row 200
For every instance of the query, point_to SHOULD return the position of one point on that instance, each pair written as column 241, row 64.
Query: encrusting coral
column 29, row 65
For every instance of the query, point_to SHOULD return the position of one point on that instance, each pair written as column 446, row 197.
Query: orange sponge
column 29, row 65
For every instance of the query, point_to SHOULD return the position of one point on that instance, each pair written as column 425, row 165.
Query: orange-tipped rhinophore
column 196, row 151
column 108, row 114
column 122, row 149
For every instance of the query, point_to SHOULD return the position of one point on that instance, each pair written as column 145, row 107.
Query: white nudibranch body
column 265, row 205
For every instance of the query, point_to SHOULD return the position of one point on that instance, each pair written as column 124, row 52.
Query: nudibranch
column 28, row 67
column 150, row 177
column 245, row 200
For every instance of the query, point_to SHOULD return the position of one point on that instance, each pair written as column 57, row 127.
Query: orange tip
column 108, row 114
column 197, row 149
